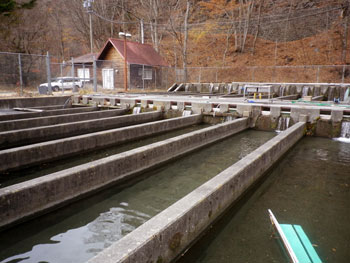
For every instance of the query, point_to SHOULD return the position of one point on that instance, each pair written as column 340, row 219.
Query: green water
column 309, row 187
column 15, row 177
column 79, row 231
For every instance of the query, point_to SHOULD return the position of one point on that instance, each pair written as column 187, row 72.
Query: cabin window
column 147, row 73
column 83, row 73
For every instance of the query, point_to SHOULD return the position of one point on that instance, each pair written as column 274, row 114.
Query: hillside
column 220, row 33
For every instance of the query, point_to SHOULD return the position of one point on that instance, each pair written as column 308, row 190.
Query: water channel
column 309, row 187
column 15, row 177
column 79, row 231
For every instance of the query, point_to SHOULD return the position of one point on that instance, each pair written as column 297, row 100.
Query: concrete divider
column 27, row 115
column 38, row 195
column 53, row 107
column 17, row 158
column 45, row 133
column 32, row 102
column 165, row 236
column 54, row 120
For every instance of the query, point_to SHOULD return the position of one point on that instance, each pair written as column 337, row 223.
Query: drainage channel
column 309, row 187
column 81, row 230
column 10, row 178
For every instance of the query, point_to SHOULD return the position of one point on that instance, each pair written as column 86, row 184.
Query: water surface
column 79, row 231
column 309, row 187
column 10, row 178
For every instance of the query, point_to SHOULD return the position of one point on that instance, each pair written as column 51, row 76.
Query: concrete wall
column 26, row 115
column 38, row 195
column 45, row 133
column 165, row 236
column 283, row 90
column 53, row 120
column 20, row 157
column 32, row 102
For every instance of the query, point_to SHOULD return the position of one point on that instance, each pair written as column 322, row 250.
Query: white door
column 108, row 78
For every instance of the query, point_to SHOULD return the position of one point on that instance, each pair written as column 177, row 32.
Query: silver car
column 63, row 83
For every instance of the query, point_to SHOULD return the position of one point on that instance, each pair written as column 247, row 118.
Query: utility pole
column 125, row 35
column 88, row 6
column 48, row 73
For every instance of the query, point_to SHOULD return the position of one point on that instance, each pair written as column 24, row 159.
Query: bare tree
column 184, row 51
column 179, row 28
column 245, row 10
column 107, row 17
column 153, row 13
column 258, row 26
column 345, row 16
column 24, row 31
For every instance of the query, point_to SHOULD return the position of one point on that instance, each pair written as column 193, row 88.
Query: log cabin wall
column 112, row 59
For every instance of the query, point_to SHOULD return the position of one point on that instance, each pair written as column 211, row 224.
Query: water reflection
column 322, row 154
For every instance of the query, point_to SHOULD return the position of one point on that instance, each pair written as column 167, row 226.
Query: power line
column 112, row 21
column 231, row 22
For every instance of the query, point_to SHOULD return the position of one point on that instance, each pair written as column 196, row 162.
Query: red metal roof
column 137, row 53
column 87, row 58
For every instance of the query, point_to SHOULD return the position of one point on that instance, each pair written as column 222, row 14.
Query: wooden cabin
column 143, row 62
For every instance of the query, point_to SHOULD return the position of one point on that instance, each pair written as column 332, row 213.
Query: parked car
column 63, row 83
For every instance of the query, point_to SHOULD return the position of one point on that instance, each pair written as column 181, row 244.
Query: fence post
column 20, row 74
column 143, row 77
column 73, row 73
column 200, row 74
column 343, row 75
column 61, row 69
column 155, row 77
column 95, row 74
column 72, row 69
column 216, row 75
column 167, row 76
column 48, row 73
column 318, row 74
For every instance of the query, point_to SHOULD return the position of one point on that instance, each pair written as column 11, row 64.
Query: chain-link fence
column 271, row 74
column 21, row 73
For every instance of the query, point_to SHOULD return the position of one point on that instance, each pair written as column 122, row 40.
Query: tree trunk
column 258, row 29
column 247, row 23
column 345, row 41
column 228, row 36
column 184, row 52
